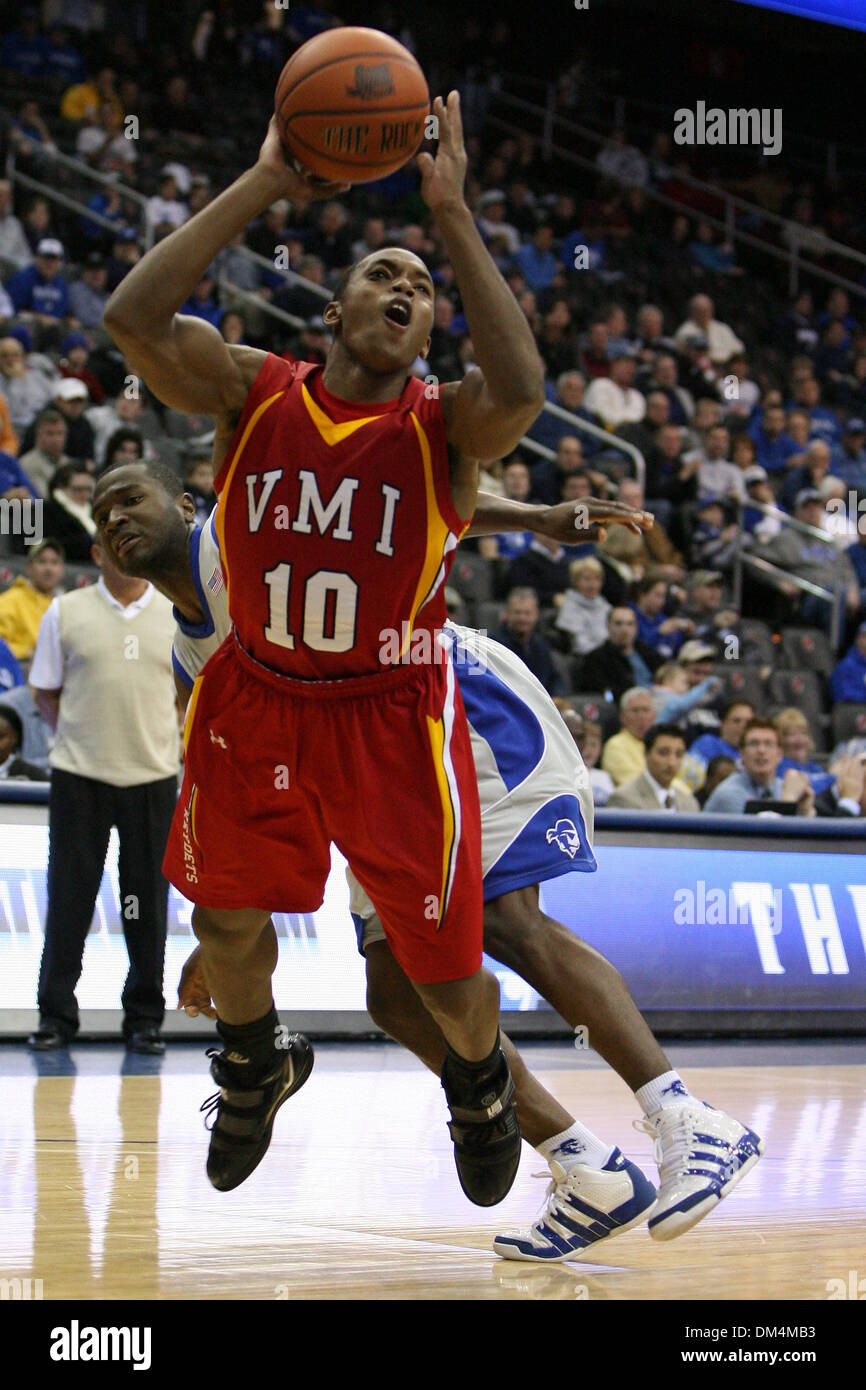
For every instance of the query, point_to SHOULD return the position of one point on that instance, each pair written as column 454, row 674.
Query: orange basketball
column 351, row 105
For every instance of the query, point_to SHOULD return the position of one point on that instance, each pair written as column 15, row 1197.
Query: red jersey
column 336, row 526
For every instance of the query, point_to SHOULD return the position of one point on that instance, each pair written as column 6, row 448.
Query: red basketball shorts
column 382, row 766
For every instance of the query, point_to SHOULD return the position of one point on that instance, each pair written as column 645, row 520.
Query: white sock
column 576, row 1145
column 667, row 1089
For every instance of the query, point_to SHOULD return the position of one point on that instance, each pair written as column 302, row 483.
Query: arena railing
column 63, row 199
column 84, row 170
column 795, row 257
column 291, row 276
column 775, row 574
column 580, row 426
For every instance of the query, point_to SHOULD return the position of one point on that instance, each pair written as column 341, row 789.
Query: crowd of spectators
column 747, row 407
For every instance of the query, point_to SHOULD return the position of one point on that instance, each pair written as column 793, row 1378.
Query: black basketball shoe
column 486, row 1136
column 244, row 1109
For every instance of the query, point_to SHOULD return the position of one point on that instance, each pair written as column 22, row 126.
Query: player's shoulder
column 248, row 361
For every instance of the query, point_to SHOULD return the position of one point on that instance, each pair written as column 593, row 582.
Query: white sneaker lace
column 674, row 1146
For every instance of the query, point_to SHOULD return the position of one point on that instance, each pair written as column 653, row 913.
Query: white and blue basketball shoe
column 702, row 1154
column 584, row 1208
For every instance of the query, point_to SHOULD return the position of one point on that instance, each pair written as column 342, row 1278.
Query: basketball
column 351, row 105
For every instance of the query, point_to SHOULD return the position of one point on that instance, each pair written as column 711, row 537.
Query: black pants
column 81, row 814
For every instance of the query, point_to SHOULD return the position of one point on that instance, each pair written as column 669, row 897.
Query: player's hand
column 300, row 188
column 569, row 522
column 442, row 178
column 193, row 995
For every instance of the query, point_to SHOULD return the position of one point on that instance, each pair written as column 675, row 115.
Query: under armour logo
column 565, row 835
column 217, row 738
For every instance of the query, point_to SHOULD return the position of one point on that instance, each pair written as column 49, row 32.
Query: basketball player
column 501, row 698
column 343, row 491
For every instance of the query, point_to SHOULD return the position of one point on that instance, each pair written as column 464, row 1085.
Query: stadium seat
column 488, row 615
column 848, row 721
column 806, row 649
column 471, row 575
column 761, row 636
column 741, row 682
column 594, row 706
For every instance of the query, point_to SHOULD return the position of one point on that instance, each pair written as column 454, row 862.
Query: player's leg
column 261, row 1064
column 416, row 850
column 702, row 1153
column 396, row 1007
column 595, row 1193
column 579, row 983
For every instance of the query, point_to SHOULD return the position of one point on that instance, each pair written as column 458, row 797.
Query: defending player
column 343, row 492
column 500, row 696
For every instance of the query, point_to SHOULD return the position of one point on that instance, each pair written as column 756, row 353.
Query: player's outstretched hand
column 301, row 188
column 442, row 178
column 193, row 995
column 570, row 521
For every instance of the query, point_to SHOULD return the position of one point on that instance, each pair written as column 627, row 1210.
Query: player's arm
column 184, row 360
column 489, row 411
column 567, row 522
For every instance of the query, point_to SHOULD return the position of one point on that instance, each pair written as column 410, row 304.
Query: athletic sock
column 466, row 1081
column 575, row 1145
column 667, row 1089
column 251, row 1045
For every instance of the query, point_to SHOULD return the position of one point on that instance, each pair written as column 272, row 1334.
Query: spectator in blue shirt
column 201, row 302
column 838, row 305
column 13, row 480
column 10, row 672
column 817, row 466
column 536, row 259
column 760, row 754
column 792, row 727
column 40, row 289
column 832, row 361
column 849, row 456
column 106, row 203
column 25, row 49
column 848, row 681
column 725, row 743
column 717, row 259
column 663, row 634
column 807, row 395
column 62, row 59
column 517, row 485
column 773, row 446
column 589, row 241
column 568, row 392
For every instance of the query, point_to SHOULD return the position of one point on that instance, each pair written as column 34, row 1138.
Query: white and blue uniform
column 535, row 793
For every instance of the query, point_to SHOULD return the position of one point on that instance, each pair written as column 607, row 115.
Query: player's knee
column 514, row 926
column 212, row 924
column 383, row 999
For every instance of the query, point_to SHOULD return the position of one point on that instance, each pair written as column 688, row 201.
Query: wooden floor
column 104, row 1196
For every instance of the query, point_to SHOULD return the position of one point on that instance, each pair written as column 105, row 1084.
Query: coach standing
column 102, row 675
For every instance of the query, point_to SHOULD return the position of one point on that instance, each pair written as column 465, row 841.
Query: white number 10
column 316, row 591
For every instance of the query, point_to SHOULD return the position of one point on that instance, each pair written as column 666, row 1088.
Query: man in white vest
column 102, row 677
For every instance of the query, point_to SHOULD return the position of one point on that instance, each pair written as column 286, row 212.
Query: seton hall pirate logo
column 374, row 81
column 564, row 834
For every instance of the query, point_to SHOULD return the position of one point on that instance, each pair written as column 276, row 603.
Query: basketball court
column 106, row 1197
